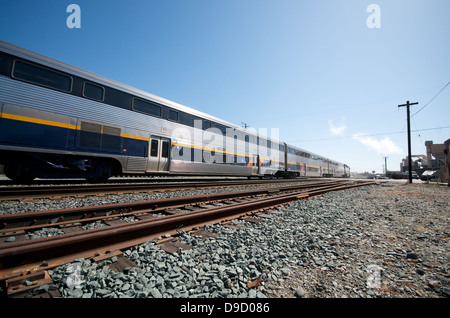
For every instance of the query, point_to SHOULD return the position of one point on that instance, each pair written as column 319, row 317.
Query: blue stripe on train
column 20, row 133
column 34, row 135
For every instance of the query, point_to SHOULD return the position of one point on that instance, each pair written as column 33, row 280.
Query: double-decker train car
column 58, row 121
column 305, row 163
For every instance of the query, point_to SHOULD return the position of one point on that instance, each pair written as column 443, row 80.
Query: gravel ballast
column 386, row 240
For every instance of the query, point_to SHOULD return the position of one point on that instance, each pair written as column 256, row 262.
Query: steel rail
column 40, row 219
column 61, row 249
column 32, row 192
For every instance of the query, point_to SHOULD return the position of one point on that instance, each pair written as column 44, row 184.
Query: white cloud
column 336, row 130
column 384, row 146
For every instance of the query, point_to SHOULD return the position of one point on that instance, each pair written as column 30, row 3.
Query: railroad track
column 26, row 193
column 153, row 219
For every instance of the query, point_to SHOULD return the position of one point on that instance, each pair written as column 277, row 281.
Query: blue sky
column 313, row 69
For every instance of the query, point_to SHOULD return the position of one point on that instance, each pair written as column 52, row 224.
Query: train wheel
column 103, row 172
column 20, row 171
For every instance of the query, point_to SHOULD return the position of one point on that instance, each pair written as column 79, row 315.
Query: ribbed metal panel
column 64, row 67
column 23, row 94
column 136, row 164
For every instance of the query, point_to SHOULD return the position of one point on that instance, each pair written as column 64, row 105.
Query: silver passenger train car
column 58, row 121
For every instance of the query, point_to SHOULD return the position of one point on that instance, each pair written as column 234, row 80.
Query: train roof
column 313, row 154
column 64, row 67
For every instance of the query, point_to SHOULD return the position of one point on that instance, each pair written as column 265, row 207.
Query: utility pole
column 409, row 137
column 385, row 167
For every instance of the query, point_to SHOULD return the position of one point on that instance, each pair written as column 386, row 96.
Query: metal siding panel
column 209, row 169
column 64, row 67
column 133, row 147
column 16, row 132
column 40, row 98
column 134, row 164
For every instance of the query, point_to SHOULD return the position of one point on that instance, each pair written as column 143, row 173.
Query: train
column 59, row 121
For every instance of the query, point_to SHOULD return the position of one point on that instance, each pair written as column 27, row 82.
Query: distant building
column 418, row 163
column 434, row 164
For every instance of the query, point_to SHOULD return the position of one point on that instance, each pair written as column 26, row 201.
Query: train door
column 158, row 154
column 255, row 165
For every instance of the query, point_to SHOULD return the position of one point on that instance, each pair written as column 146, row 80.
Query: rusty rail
column 44, row 253
column 39, row 219
column 33, row 192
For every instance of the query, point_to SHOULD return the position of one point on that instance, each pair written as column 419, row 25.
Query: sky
column 326, row 75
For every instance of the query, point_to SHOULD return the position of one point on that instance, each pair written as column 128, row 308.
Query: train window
column 147, row 107
column 165, row 149
column 118, row 98
column 206, row 125
column 221, row 128
column 6, row 62
column 93, row 91
column 172, row 115
column 187, row 119
column 41, row 76
column 154, row 148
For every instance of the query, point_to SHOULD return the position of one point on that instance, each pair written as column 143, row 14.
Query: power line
column 415, row 125
column 369, row 135
column 431, row 99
